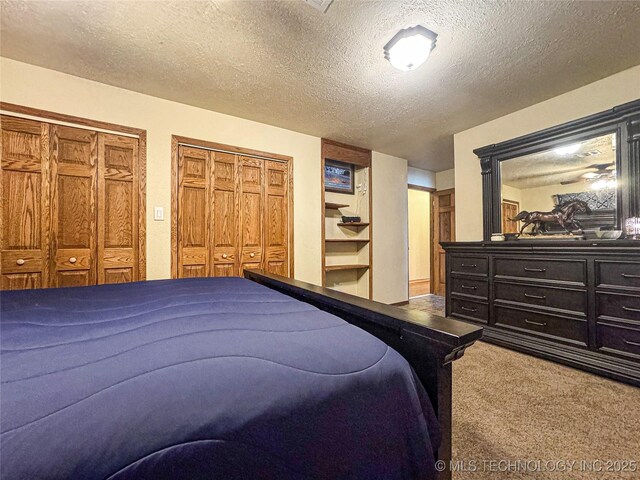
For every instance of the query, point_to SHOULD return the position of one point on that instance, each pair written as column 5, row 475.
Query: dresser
column 573, row 302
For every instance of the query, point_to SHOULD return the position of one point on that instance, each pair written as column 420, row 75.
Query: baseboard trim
column 419, row 286
column 400, row 304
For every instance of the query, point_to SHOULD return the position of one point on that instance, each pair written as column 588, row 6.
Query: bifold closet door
column 74, row 158
column 118, row 187
column 251, row 213
column 194, row 210
column 232, row 214
column 276, row 254
column 25, row 216
column 225, row 221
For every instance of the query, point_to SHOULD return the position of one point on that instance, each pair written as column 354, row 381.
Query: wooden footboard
column 429, row 342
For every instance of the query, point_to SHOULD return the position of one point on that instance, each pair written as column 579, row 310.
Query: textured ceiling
column 551, row 168
column 286, row 64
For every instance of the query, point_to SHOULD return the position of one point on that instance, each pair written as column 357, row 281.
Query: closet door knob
column 252, row 254
column 20, row 261
column 73, row 260
column 224, row 255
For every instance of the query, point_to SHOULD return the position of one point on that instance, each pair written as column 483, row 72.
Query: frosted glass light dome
column 410, row 47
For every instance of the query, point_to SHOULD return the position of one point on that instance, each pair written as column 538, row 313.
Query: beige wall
column 541, row 198
column 538, row 198
column 49, row 90
column 390, row 244
column 419, row 241
column 445, row 179
column 511, row 193
column 593, row 98
column 421, row 177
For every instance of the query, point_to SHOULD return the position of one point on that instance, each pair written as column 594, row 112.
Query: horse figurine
column 562, row 214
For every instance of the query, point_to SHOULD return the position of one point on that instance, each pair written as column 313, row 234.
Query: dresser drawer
column 469, row 265
column 470, row 310
column 549, row 297
column 619, row 306
column 553, row 325
column 618, row 274
column 619, row 339
column 542, row 269
column 470, row 286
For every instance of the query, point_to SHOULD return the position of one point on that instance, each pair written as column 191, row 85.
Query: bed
column 224, row 378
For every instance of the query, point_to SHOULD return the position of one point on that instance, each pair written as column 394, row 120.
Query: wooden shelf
column 334, row 206
column 347, row 240
column 350, row 249
column 333, row 268
column 353, row 224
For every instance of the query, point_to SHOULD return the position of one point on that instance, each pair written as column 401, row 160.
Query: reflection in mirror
column 579, row 175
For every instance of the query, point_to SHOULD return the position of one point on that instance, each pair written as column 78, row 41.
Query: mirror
column 582, row 173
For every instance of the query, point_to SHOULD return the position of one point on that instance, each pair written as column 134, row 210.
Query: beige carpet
column 517, row 416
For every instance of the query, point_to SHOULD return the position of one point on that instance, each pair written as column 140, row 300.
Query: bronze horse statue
column 562, row 214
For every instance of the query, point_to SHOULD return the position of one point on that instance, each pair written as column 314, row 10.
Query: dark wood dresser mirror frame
column 623, row 120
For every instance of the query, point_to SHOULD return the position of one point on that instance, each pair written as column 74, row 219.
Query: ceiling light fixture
column 604, row 183
column 320, row 5
column 568, row 149
column 410, row 47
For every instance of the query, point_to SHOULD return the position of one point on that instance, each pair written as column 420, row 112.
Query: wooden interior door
column 194, row 209
column 224, row 218
column 73, row 206
column 443, row 217
column 117, row 209
column 509, row 210
column 251, row 213
column 25, row 216
column 276, row 252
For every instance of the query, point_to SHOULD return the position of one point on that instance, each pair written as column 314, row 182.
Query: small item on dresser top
column 632, row 228
column 497, row 237
column 608, row 234
column 346, row 219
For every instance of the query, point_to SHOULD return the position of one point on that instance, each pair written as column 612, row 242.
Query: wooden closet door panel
column 25, row 215
column 118, row 187
column 225, row 222
column 276, row 218
column 444, row 224
column 73, row 212
column 194, row 211
column 251, row 213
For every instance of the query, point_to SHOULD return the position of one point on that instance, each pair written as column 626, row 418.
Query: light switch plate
column 158, row 213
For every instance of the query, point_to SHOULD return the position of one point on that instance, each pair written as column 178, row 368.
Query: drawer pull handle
column 537, row 297
column 252, row 254
column 467, row 309
column 540, row 324
column 468, row 265
column 629, row 342
column 628, row 275
column 224, row 255
column 20, row 261
column 73, row 260
column 537, row 270
column 467, row 287
column 631, row 309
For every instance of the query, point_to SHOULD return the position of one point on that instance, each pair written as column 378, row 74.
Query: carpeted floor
column 517, row 416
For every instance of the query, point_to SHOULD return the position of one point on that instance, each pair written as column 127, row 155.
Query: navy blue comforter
column 202, row 379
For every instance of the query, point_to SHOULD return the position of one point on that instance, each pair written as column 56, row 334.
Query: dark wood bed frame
column 429, row 343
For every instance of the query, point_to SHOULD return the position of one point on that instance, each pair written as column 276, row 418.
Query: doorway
column 420, row 240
